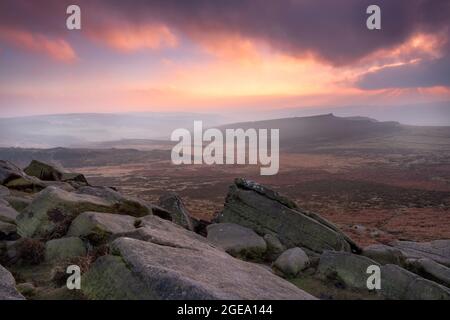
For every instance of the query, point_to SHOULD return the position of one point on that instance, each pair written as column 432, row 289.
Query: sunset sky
column 209, row 55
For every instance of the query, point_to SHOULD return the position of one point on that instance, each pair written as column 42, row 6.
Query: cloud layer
column 241, row 47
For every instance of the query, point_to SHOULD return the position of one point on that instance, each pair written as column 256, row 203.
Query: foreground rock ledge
column 144, row 270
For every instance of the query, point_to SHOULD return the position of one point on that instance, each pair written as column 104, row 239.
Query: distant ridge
column 322, row 129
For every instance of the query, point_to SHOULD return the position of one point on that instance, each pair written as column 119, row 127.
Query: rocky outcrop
column 122, row 204
column 180, row 215
column 396, row 282
column 48, row 172
column 132, row 249
column 13, row 177
column 237, row 240
column 54, row 209
column 438, row 250
column 292, row 261
column 266, row 212
column 8, row 286
column 147, row 270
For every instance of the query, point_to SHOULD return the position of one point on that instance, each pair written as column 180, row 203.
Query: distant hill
column 85, row 129
column 331, row 132
column 322, row 133
column 321, row 130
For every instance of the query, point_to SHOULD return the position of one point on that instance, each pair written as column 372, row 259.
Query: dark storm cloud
column 332, row 30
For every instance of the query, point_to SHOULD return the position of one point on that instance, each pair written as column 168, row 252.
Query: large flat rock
column 170, row 262
column 437, row 250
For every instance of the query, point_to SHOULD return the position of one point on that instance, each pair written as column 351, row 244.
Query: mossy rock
column 64, row 248
column 237, row 240
column 266, row 212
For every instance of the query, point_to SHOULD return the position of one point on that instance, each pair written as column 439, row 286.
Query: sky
column 212, row 55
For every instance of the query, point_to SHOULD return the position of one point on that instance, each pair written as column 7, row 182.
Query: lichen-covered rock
column 9, row 171
column 384, row 254
column 8, row 289
column 431, row 270
column 26, row 183
column 98, row 227
column 258, row 208
column 400, row 284
column 274, row 247
column 180, row 215
column 237, row 240
column 122, row 204
column 18, row 203
column 54, row 208
column 145, row 270
column 47, row 172
column 349, row 269
column 396, row 283
column 64, row 248
column 437, row 250
column 292, row 261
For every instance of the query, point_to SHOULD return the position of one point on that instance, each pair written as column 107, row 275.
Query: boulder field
column 262, row 245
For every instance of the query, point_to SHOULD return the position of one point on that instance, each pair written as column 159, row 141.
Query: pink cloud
column 55, row 48
column 128, row 38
